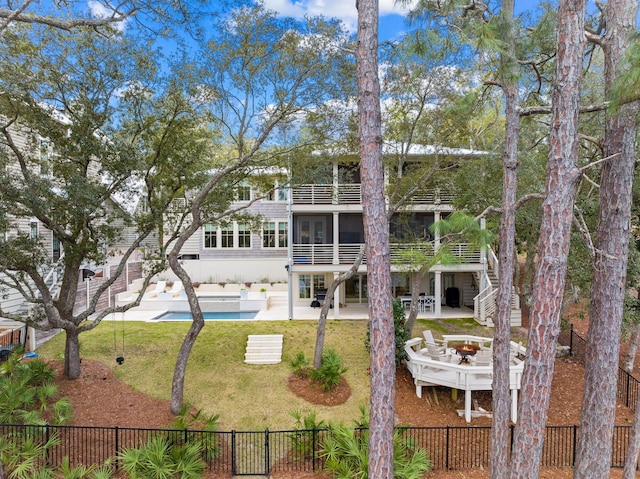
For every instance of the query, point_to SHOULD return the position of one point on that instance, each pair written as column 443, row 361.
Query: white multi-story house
column 314, row 232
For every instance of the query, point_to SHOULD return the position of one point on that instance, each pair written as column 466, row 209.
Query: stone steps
column 264, row 349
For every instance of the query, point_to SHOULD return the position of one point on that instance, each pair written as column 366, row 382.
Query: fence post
column 571, row 340
column 313, row 449
column 575, row 445
column 446, row 451
column 46, row 436
column 233, row 453
column 117, row 443
column 267, row 461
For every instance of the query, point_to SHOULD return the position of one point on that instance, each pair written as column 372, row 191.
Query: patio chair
column 176, row 288
column 483, row 357
column 160, row 286
column 440, row 344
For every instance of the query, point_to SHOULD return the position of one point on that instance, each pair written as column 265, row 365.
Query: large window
column 244, row 235
column 244, row 191
column 226, row 236
column 230, row 235
column 210, row 236
column 275, row 234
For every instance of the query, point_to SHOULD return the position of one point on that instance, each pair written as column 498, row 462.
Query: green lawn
column 247, row 397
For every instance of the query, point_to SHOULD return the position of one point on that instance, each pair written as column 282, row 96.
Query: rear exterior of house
column 313, row 232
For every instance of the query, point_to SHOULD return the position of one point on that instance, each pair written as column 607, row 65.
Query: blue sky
column 392, row 15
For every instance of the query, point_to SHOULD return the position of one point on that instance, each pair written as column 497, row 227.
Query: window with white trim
column 244, row 191
column 210, row 236
column 275, row 234
column 244, row 235
column 229, row 235
column 33, row 229
column 226, row 236
column 278, row 193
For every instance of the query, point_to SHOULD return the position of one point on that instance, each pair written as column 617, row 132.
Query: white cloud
column 344, row 10
column 98, row 10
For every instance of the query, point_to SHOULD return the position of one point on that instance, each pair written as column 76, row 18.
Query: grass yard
column 247, row 397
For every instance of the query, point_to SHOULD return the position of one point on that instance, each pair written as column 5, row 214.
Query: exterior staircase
column 485, row 306
column 264, row 349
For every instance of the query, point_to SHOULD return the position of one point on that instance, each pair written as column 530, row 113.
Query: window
column 269, row 235
column 305, row 286
column 283, row 234
column 45, row 154
column 244, row 235
column 226, row 236
column 244, row 191
column 275, row 234
column 318, row 282
column 278, row 193
column 229, row 235
column 33, row 229
column 210, row 236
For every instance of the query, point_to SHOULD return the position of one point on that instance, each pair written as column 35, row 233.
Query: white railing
column 312, row 254
column 52, row 277
column 351, row 193
column 313, row 195
column 347, row 253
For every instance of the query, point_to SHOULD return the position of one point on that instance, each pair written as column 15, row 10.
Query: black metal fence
column 263, row 452
column 628, row 385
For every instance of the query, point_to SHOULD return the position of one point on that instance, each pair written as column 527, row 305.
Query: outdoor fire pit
column 465, row 351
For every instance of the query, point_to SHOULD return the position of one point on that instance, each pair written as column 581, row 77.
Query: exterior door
column 312, row 230
column 356, row 289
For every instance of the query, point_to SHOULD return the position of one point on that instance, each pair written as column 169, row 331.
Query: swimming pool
column 208, row 316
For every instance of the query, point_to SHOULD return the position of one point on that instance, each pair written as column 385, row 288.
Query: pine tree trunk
column 502, row 320
column 376, row 230
column 593, row 454
column 553, row 246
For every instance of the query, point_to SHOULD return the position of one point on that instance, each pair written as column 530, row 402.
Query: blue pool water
column 208, row 316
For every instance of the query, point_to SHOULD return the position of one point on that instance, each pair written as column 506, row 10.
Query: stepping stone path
column 264, row 349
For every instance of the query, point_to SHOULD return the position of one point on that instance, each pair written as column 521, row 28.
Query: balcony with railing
column 351, row 194
column 346, row 254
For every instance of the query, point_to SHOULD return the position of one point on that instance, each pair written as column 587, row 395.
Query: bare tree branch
column 69, row 24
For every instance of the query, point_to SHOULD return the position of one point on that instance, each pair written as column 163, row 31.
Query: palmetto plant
column 330, row 372
column 305, row 438
column 346, row 453
column 159, row 459
column 24, row 454
column 26, row 390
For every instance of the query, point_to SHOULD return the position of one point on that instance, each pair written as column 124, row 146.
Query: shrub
column 346, row 453
column 299, row 364
column 401, row 332
column 330, row 372
column 159, row 458
column 304, row 440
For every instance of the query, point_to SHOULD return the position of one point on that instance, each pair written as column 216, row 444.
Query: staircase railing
column 485, row 301
column 52, row 277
